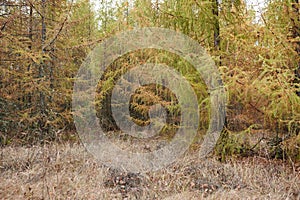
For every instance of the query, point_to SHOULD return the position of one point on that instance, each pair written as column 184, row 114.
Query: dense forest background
column 43, row 43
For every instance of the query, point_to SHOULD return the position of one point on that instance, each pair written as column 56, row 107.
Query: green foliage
column 232, row 144
column 37, row 70
column 257, row 62
column 152, row 94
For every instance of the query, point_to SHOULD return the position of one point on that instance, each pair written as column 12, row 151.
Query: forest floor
column 68, row 171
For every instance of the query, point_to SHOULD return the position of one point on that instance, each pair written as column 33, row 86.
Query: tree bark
column 41, row 72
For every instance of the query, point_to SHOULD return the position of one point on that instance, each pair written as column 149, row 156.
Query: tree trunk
column 42, row 73
column 216, row 25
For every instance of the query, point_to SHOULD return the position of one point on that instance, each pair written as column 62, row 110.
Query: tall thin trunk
column 89, row 23
column 30, row 33
column 216, row 25
column 52, row 47
column 104, row 3
column 156, row 12
column 30, row 36
column 127, row 13
column 41, row 70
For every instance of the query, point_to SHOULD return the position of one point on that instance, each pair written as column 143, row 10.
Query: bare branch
column 60, row 29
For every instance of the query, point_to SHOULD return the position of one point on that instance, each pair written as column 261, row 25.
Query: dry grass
column 69, row 172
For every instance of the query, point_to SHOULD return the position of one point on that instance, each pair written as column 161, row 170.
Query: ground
column 68, row 171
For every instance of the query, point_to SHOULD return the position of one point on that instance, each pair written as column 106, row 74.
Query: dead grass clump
column 67, row 171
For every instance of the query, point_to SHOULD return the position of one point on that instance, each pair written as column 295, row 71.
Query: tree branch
column 60, row 29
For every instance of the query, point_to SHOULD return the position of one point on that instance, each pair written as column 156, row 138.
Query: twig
column 31, row 4
column 259, row 141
